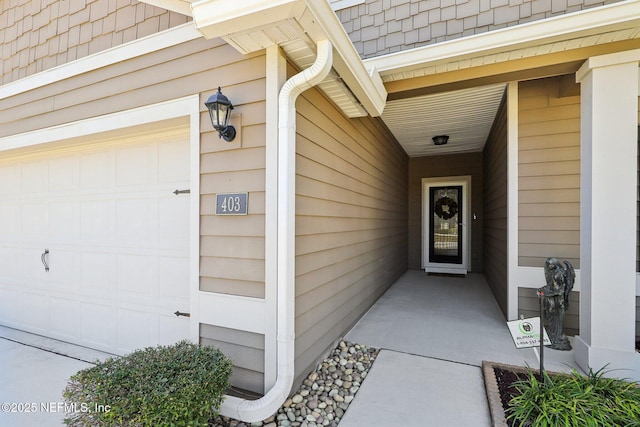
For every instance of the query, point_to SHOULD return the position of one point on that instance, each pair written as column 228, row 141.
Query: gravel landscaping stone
column 324, row 395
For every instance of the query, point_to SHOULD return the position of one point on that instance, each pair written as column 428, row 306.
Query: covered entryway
column 94, row 244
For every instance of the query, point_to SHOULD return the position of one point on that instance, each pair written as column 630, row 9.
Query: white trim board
column 343, row 4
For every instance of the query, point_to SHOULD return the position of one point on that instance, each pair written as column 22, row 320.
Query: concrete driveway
column 34, row 373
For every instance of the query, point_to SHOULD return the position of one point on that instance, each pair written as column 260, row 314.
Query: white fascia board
column 220, row 18
column 179, row 6
column 343, row 4
column 154, row 42
column 365, row 83
column 578, row 24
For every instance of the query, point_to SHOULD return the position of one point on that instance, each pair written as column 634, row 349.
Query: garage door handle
column 181, row 192
column 43, row 258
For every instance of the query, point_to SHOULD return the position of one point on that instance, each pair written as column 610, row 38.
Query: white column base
column 616, row 363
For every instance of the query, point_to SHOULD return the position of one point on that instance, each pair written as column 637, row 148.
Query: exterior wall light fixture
column 440, row 139
column 220, row 108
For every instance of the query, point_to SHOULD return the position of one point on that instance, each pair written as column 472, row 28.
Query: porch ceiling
column 465, row 115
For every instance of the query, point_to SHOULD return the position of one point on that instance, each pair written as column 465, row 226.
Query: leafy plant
column 178, row 385
column 575, row 400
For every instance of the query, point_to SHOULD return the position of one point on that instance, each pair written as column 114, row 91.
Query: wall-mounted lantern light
column 440, row 139
column 220, row 108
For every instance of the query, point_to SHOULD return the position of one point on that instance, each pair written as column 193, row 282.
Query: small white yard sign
column 526, row 332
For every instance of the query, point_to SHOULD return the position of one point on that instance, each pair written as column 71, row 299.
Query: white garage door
column 117, row 240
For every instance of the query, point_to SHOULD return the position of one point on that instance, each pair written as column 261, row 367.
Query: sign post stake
column 540, row 297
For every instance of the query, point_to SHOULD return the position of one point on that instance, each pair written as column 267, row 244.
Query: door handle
column 43, row 258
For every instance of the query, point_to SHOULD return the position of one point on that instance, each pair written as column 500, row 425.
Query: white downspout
column 258, row 410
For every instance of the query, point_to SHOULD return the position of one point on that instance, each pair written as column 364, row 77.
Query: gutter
column 258, row 410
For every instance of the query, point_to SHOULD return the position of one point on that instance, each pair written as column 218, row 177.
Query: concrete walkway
column 34, row 373
column 434, row 333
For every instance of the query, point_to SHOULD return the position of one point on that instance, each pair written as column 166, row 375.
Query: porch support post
column 608, row 223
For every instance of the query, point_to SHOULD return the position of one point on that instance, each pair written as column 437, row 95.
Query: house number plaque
column 232, row 204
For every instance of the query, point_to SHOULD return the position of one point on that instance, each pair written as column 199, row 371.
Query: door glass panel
column 446, row 230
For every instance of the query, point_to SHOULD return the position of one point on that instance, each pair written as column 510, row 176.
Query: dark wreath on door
column 445, row 227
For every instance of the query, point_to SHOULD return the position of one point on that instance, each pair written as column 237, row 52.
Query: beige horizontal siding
column 246, row 351
column 548, row 173
column 156, row 77
column 39, row 35
column 495, row 208
column 351, row 226
column 529, row 306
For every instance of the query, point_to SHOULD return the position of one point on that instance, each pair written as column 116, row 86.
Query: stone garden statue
column 555, row 296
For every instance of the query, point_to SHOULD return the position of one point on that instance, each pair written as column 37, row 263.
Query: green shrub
column 177, row 385
column 575, row 400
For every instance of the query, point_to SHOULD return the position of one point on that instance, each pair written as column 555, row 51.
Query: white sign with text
column 526, row 332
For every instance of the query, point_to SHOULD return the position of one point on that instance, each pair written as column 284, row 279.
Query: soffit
column 296, row 26
column 465, row 115
column 422, row 104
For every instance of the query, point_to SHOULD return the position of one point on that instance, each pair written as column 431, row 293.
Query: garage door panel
column 64, row 174
column 174, row 275
column 137, row 220
column 64, row 220
column 65, row 317
column 34, row 177
column 173, row 162
column 10, row 221
column 98, row 326
column 172, row 328
column 95, row 171
column 32, row 270
column 35, row 220
column 118, row 241
column 10, row 307
column 133, row 166
column 36, row 312
column 136, row 330
column 63, row 273
column 97, row 272
column 98, row 219
column 137, row 274
column 172, row 228
column 10, row 271
column 9, row 179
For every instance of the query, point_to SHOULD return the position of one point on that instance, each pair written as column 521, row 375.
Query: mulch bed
column 505, row 379
column 499, row 379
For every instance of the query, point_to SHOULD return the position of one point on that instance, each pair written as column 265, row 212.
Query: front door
column 446, row 224
column 445, row 229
